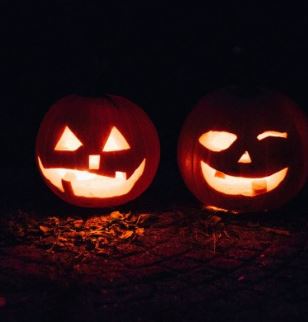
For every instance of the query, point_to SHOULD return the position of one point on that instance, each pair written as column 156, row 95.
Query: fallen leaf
column 215, row 219
column 53, row 220
column 144, row 219
column 277, row 231
column 78, row 223
column 104, row 252
column 127, row 215
column 116, row 215
column 44, row 229
column 139, row 231
column 126, row 234
column 62, row 239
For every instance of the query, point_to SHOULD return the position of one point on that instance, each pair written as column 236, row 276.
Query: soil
column 180, row 264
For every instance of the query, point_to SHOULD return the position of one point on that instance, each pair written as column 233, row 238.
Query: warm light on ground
column 218, row 209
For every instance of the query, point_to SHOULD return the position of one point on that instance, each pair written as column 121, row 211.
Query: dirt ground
column 181, row 264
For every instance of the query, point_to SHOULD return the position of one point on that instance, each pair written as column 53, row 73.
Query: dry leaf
column 126, row 234
column 116, row 215
column 215, row 219
column 143, row 219
column 44, row 229
column 139, row 231
column 78, row 223
column 111, row 232
column 103, row 252
column 277, row 231
column 53, row 220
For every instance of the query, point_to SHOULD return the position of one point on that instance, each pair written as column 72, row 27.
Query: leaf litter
column 99, row 234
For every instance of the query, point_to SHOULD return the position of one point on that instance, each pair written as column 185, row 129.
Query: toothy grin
column 90, row 185
column 249, row 187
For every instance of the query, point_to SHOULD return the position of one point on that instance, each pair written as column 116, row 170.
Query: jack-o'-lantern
column 97, row 152
column 244, row 150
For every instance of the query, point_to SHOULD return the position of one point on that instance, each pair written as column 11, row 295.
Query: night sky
column 164, row 58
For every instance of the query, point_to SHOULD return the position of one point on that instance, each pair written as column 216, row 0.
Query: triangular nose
column 245, row 158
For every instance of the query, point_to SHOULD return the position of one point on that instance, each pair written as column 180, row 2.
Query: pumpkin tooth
column 120, row 175
column 69, row 176
column 67, row 187
column 219, row 174
column 259, row 186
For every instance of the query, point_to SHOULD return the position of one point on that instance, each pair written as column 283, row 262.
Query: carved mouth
column 248, row 187
column 90, row 185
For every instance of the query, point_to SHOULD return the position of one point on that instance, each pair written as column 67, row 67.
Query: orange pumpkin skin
column 269, row 136
column 107, row 149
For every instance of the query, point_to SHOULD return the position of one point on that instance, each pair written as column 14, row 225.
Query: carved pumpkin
column 97, row 152
column 244, row 151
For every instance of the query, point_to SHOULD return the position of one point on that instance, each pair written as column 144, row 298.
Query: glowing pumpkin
column 97, row 152
column 244, row 151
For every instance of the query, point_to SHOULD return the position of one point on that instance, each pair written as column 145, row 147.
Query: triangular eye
column 116, row 141
column 68, row 141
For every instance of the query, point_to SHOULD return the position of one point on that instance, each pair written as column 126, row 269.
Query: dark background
column 162, row 57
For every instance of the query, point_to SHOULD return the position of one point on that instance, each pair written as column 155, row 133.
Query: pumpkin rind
column 91, row 122
column 271, row 134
